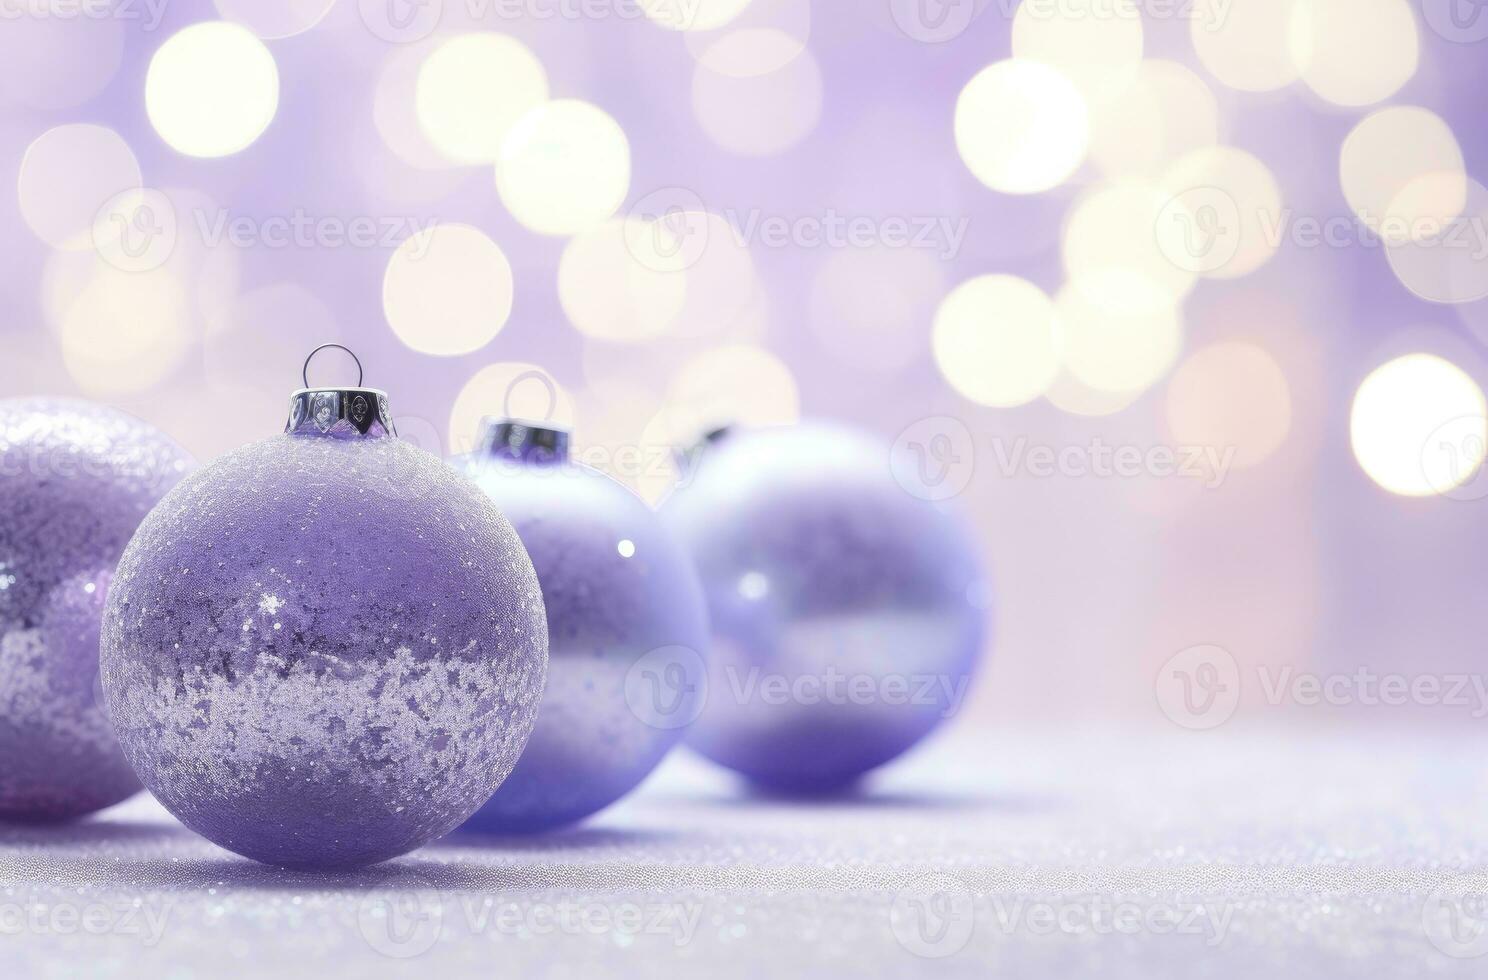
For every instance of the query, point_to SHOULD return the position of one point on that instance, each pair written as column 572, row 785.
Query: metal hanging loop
column 305, row 371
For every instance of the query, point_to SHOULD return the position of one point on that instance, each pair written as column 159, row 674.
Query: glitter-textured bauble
column 848, row 614
column 324, row 652
column 75, row 481
column 621, row 597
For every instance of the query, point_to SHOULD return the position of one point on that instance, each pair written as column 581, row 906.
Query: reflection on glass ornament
column 75, row 481
column 848, row 608
column 325, row 649
column 625, row 612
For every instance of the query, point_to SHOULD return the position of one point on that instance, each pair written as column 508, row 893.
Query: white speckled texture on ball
column 324, row 652
column 75, row 480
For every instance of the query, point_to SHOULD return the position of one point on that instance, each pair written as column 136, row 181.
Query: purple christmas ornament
column 622, row 601
column 848, row 614
column 327, row 648
column 75, row 481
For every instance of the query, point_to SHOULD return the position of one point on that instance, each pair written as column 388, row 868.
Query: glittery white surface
column 996, row 853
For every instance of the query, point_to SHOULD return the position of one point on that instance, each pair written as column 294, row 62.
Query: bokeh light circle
column 1247, row 46
column 257, row 338
column 1021, row 127
column 735, row 385
column 692, row 15
column 759, row 115
column 274, row 19
column 212, row 89
column 447, row 290
column 1097, row 44
column 395, row 110
column 996, row 341
column 1233, row 397
column 624, row 281
column 1401, row 410
column 1441, row 260
column 125, row 331
column 1402, row 169
column 1120, row 331
column 739, row 385
column 564, row 167
column 471, row 91
column 511, row 389
column 52, row 62
column 146, row 231
column 136, row 230
column 67, row 175
column 721, row 282
column 747, row 53
column 1234, row 210
column 1115, row 228
column 1355, row 52
column 1165, row 112
column 769, row 35
column 1071, row 395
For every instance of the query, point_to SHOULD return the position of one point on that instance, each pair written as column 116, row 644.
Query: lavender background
column 1299, row 560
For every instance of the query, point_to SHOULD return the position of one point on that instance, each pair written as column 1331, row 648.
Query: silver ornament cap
column 522, row 441
column 344, row 412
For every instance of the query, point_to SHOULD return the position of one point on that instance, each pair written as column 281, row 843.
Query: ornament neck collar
column 687, row 458
column 340, row 413
column 533, row 443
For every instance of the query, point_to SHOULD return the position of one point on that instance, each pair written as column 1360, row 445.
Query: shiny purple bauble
column 325, row 649
column 623, row 603
column 75, row 481
column 848, row 613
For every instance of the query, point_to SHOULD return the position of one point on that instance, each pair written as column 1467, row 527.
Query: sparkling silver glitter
column 75, row 480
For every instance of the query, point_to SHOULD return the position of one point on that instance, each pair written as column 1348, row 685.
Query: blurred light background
column 1241, row 242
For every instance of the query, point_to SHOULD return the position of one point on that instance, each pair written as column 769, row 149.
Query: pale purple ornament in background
column 848, row 615
column 75, row 481
column 623, row 602
column 327, row 648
